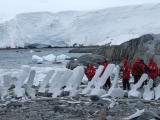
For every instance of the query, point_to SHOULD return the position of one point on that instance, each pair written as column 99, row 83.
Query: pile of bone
column 68, row 83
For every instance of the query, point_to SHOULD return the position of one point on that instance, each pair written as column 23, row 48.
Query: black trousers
column 136, row 78
column 108, row 83
column 126, row 84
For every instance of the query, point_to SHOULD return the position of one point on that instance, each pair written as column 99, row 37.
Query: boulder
column 84, row 60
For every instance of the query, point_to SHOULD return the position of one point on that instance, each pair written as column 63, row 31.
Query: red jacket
column 126, row 71
column 90, row 72
column 153, row 70
column 138, row 69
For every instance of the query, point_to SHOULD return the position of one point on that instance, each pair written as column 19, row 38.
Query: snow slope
column 115, row 25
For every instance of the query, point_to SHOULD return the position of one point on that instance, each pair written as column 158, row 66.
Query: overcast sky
column 13, row 7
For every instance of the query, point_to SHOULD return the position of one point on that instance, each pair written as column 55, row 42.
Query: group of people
column 137, row 70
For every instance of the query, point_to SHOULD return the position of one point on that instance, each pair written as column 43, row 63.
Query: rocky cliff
column 142, row 47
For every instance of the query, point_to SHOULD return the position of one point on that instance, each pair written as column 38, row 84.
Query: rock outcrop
column 84, row 60
column 142, row 47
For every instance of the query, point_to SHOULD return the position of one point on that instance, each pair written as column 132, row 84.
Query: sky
column 13, row 7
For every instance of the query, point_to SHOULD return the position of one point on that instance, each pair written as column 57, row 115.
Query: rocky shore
column 78, row 108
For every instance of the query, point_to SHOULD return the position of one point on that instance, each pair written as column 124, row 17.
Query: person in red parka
column 153, row 70
column 90, row 71
column 105, row 64
column 126, row 74
column 137, row 70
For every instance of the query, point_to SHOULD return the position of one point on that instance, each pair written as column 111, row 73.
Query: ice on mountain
column 62, row 81
column 50, row 58
column 69, row 29
column 45, row 82
column 30, row 91
column 19, row 91
column 61, row 58
column 37, row 59
column 75, row 80
column 101, row 81
column 157, row 93
column 134, row 92
column 148, row 93
column 87, row 90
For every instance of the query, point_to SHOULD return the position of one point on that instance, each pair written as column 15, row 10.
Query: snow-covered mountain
column 115, row 25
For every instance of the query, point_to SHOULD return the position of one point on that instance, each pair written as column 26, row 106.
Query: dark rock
column 90, row 58
column 84, row 60
column 58, row 109
column 95, row 98
column 14, row 104
column 142, row 47
column 84, row 50
column 64, row 93
column 72, row 64
column 46, row 94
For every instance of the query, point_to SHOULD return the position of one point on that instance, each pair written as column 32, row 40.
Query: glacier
column 112, row 25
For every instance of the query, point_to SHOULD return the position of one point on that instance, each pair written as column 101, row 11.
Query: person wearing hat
column 153, row 70
column 90, row 71
column 126, row 74
column 137, row 70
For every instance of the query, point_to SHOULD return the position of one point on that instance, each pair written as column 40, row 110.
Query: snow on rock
column 37, row 59
column 92, row 83
column 148, row 93
column 45, row 82
column 157, row 93
column 133, row 92
column 135, row 115
column 101, row 80
column 75, row 81
column 50, row 58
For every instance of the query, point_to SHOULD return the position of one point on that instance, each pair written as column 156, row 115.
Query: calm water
column 10, row 59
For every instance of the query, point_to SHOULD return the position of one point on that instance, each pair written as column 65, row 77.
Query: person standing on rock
column 137, row 70
column 90, row 71
column 153, row 70
column 126, row 75
column 105, row 64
